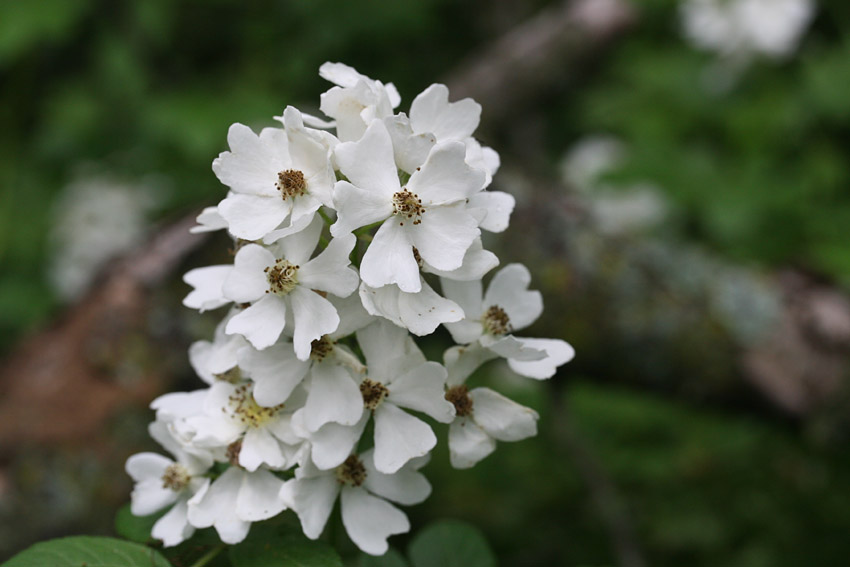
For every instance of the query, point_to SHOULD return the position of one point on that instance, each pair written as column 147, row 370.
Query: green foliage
column 391, row 558
column 134, row 528
column 451, row 543
column 85, row 551
column 270, row 545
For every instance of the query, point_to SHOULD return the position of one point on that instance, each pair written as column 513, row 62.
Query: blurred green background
column 752, row 178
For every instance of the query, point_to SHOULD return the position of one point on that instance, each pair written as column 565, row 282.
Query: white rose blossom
column 373, row 201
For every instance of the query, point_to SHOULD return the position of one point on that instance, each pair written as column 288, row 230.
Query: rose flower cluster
column 353, row 236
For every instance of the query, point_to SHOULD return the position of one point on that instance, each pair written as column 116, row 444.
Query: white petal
column 407, row 486
column 174, row 527
column 476, row 263
column 462, row 361
column 208, row 283
column 399, row 437
column 509, row 290
column 358, row 207
column 382, row 302
column 253, row 163
column 501, row 418
column 259, row 496
column 423, row 312
column 340, row 74
column 498, row 206
column 145, row 466
column 247, row 281
column 382, row 343
column 352, row 315
column 411, row 150
column 261, row 323
column 390, row 260
column 298, row 247
column 333, row 443
column 251, row 217
column 431, row 111
column 468, row 443
column 512, row 348
column 312, row 499
column 208, row 221
column 423, row 389
column 275, row 372
column 260, row 447
column 334, row 397
column 215, row 505
column 557, row 351
column 296, row 224
column 149, row 496
column 369, row 162
column 444, row 236
column 369, row 521
column 314, row 317
column 445, row 177
column 329, row 270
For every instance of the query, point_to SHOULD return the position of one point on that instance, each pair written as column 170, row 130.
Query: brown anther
column 320, row 348
column 282, row 277
column 176, row 477
column 232, row 453
column 459, row 396
column 496, row 321
column 408, row 205
column 373, row 393
column 291, row 183
column 417, row 257
column 351, row 472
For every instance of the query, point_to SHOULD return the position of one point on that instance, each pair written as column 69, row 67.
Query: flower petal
column 558, row 352
column 261, row 323
column 501, row 418
column 275, row 371
column 251, row 217
column 248, row 281
column 509, row 290
column 399, row 437
column 468, row 443
column 423, row 389
column 498, row 207
column 432, row 112
column 174, row 527
column 312, row 499
column 333, row 443
column 445, row 177
column 260, row 447
column 369, row 162
column 444, row 236
column 369, row 520
column 334, row 397
column 208, row 282
column 407, row 486
column 329, row 270
column 390, row 260
column 314, row 316
column 358, row 207
column 259, row 496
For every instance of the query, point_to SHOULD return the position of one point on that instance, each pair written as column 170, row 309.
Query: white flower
column 365, row 496
column 280, row 174
column 282, row 279
column 428, row 213
column 483, row 416
column 769, row 27
column 423, row 311
column 356, row 101
column 507, row 306
column 207, row 283
column 209, row 221
column 398, row 376
column 161, row 482
column 217, row 359
column 254, row 435
column 235, row 499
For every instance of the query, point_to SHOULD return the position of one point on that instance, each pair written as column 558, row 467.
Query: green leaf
column 87, row 551
column 283, row 551
column 391, row 558
column 451, row 543
column 134, row 528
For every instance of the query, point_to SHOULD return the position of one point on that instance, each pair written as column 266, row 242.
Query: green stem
column 209, row 556
column 324, row 216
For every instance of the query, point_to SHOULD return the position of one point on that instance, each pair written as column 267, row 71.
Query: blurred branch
column 537, row 53
column 64, row 382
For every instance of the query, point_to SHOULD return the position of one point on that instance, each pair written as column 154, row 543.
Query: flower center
column 283, row 277
column 417, row 257
column 408, row 205
column 496, row 321
column 459, row 396
column 351, row 472
column 248, row 411
column 291, row 183
column 176, row 477
column 320, row 348
column 373, row 393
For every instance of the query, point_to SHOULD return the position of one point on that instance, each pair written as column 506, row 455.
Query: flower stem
column 208, row 556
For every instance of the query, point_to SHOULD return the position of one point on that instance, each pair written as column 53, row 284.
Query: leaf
column 87, row 551
column 391, row 558
column 134, row 528
column 451, row 543
column 283, row 551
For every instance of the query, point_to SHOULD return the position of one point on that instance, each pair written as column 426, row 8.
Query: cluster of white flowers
column 314, row 347
column 772, row 28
